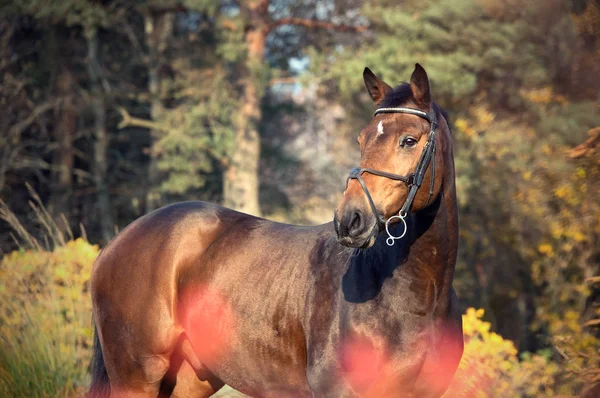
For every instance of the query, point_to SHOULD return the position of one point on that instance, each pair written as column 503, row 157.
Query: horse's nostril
column 355, row 227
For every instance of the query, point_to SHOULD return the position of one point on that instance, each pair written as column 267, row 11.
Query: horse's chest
column 376, row 357
column 390, row 332
column 389, row 336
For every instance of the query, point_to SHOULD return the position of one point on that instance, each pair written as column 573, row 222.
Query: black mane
column 401, row 94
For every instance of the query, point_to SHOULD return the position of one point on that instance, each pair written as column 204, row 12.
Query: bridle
column 412, row 181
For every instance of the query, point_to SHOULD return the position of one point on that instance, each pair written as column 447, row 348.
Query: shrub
column 490, row 366
column 45, row 320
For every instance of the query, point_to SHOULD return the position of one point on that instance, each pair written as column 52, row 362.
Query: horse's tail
column 100, row 387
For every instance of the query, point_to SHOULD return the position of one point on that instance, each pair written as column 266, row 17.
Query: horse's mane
column 401, row 94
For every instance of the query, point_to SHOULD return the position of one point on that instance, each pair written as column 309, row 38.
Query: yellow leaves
column 545, row 249
column 483, row 116
column 543, row 96
column 584, row 290
column 472, row 322
column 546, row 149
column 490, row 366
column 578, row 236
column 527, row 175
column 556, row 230
column 475, row 328
column 573, row 232
column 480, row 119
column 562, row 192
column 567, row 194
column 462, row 125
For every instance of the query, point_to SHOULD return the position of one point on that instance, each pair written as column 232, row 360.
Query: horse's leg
column 137, row 379
column 187, row 376
column 136, row 357
column 189, row 384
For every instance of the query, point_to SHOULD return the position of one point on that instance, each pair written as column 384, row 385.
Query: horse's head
column 398, row 151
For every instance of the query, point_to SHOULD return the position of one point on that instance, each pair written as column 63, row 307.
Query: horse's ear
column 419, row 86
column 376, row 87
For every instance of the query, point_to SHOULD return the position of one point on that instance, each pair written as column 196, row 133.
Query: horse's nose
column 356, row 224
column 351, row 225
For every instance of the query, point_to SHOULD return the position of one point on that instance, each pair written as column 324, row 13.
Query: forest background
column 112, row 108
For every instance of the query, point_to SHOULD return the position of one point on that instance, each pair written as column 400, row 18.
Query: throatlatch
column 413, row 181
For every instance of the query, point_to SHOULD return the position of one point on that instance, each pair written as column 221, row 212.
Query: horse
column 193, row 295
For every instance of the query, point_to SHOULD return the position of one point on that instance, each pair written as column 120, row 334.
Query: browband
column 402, row 109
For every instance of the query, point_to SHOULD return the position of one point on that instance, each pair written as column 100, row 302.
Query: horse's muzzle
column 355, row 229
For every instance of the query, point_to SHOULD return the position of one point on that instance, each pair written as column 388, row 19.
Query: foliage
column 73, row 12
column 45, row 320
column 203, row 100
column 490, row 366
column 200, row 133
column 506, row 173
column 467, row 47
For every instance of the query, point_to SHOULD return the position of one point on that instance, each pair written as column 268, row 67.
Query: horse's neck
column 424, row 259
column 433, row 253
column 427, row 255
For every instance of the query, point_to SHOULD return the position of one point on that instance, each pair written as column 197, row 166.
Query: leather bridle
column 412, row 181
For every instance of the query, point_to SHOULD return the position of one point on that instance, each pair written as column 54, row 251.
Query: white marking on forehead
column 380, row 128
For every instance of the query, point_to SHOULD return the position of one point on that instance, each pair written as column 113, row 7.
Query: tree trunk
column 101, row 141
column 241, row 182
column 63, row 156
column 158, row 27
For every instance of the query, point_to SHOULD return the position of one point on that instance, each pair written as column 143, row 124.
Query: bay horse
column 193, row 295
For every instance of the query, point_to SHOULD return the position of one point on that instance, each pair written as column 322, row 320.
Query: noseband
column 412, row 181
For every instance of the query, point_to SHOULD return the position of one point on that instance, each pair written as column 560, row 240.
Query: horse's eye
column 409, row 142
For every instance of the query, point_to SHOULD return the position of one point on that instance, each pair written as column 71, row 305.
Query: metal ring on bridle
column 391, row 238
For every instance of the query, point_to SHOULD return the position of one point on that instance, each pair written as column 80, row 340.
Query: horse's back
column 162, row 238
column 147, row 252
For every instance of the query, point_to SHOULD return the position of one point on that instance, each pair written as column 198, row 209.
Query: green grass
column 39, row 360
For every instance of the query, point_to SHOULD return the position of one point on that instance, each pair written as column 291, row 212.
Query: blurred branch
column 35, row 113
column 134, row 41
column 593, row 322
column 589, row 147
column 283, row 80
column 228, row 24
column 132, row 121
column 35, row 163
column 316, row 24
column 593, row 279
column 564, row 354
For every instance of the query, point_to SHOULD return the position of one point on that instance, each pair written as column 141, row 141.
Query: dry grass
column 41, row 354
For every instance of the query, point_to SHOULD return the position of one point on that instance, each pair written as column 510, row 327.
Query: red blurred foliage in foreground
column 371, row 371
column 362, row 363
